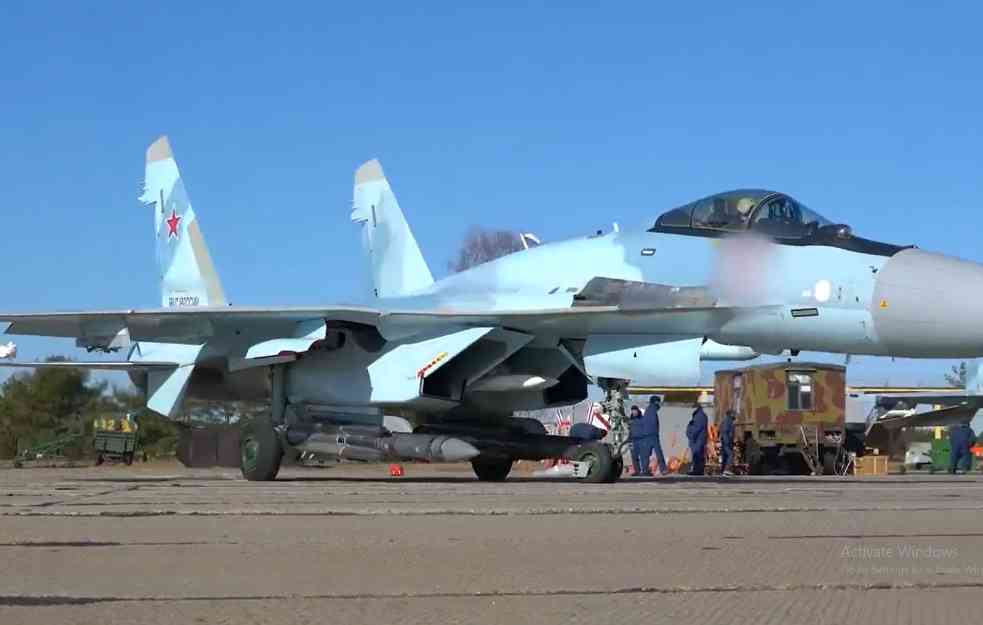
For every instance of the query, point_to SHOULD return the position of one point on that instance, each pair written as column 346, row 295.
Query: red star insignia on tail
column 172, row 224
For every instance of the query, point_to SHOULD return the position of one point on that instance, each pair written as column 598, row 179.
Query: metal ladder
column 810, row 448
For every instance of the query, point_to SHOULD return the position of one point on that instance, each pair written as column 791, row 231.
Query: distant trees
column 46, row 403
column 481, row 245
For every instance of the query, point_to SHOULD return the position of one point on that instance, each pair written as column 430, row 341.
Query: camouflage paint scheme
column 762, row 402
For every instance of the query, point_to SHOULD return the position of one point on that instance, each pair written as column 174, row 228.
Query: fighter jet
column 724, row 277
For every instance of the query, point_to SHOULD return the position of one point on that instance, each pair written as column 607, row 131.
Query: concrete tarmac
column 164, row 544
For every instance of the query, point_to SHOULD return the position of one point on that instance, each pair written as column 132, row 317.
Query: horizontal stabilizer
column 96, row 366
column 190, row 325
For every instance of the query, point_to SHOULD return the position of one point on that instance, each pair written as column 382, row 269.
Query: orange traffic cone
column 395, row 470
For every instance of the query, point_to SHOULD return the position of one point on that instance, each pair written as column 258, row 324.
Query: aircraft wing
column 952, row 409
column 173, row 340
column 196, row 325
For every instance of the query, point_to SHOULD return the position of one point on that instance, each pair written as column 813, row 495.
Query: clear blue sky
column 553, row 120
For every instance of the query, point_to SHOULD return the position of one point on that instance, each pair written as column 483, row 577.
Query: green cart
column 115, row 445
column 941, row 454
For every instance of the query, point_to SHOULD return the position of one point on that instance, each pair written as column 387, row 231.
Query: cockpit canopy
column 757, row 210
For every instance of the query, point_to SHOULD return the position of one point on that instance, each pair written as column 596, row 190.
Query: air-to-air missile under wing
column 721, row 278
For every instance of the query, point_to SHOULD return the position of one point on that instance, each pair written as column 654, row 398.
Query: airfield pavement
column 162, row 544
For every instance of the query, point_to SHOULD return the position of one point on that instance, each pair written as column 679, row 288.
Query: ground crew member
column 696, row 433
column 961, row 438
column 651, row 442
column 634, row 434
column 727, row 442
column 643, row 432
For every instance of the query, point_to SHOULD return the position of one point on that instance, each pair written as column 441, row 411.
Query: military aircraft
column 722, row 278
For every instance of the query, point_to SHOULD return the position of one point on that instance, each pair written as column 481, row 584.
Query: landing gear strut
column 615, row 393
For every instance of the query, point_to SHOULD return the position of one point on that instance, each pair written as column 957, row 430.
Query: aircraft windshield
column 781, row 216
column 770, row 213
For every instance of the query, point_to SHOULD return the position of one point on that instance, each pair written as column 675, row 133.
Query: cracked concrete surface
column 162, row 544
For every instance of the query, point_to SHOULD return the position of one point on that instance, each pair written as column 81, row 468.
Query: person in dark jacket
column 696, row 433
column 644, row 435
column 727, row 442
column 639, row 467
column 961, row 438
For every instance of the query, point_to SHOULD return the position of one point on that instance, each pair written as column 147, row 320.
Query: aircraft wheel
column 260, row 451
column 602, row 464
column 491, row 469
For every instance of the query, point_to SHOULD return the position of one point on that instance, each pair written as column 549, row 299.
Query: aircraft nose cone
column 456, row 450
column 929, row 305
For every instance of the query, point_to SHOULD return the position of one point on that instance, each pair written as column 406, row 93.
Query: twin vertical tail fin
column 397, row 265
column 187, row 274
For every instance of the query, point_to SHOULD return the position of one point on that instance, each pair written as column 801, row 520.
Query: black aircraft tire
column 602, row 465
column 492, row 469
column 260, row 451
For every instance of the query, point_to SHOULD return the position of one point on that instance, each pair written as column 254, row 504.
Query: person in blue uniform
column 961, row 439
column 727, row 442
column 644, row 435
column 696, row 433
column 638, row 466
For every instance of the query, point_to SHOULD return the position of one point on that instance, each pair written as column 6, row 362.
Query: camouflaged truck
column 790, row 416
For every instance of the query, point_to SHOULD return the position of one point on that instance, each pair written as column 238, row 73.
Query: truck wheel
column 602, row 465
column 754, row 456
column 99, row 459
column 829, row 462
column 128, row 458
column 260, row 451
column 492, row 469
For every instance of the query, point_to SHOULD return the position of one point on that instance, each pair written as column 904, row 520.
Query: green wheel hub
column 260, row 451
column 250, row 451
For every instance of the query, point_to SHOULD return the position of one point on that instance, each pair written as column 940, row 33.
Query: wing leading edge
column 197, row 325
